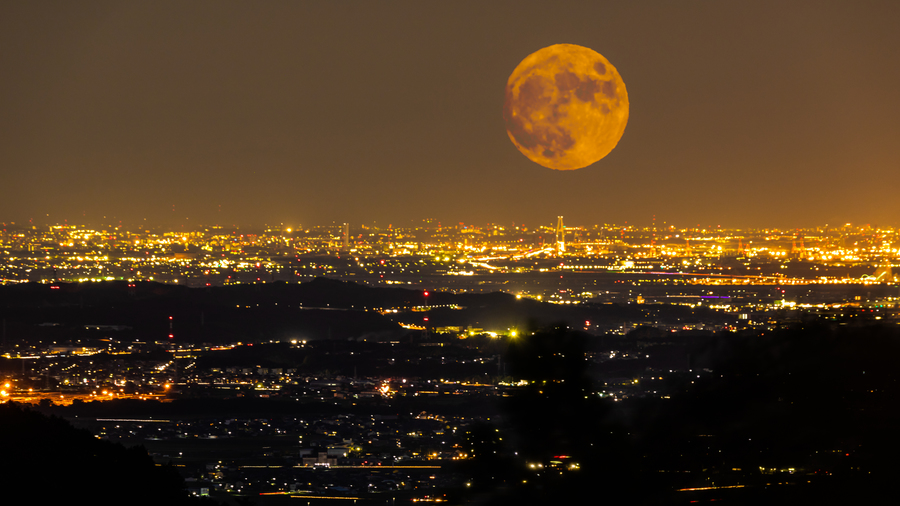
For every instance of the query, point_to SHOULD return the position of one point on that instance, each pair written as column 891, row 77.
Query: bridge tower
column 560, row 236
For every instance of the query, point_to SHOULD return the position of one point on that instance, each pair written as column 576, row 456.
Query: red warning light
column 426, row 293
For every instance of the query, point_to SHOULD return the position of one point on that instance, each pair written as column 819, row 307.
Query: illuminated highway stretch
column 66, row 399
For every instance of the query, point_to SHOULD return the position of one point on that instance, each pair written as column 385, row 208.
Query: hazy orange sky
column 763, row 113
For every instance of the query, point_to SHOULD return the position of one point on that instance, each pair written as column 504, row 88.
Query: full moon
column 566, row 107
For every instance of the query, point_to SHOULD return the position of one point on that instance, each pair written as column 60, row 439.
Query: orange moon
column 566, row 107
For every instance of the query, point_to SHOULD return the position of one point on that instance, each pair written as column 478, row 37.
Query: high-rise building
column 345, row 238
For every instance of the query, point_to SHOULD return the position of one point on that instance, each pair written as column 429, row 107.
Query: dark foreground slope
column 47, row 461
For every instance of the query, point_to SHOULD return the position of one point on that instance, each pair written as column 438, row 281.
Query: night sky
column 743, row 114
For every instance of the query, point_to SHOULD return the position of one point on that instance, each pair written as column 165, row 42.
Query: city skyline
column 765, row 115
column 454, row 257
column 643, row 223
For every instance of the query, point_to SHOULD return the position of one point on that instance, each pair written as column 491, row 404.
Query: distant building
column 345, row 237
column 319, row 457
